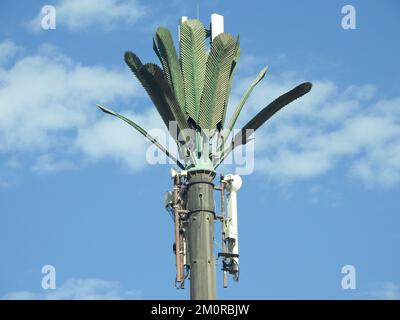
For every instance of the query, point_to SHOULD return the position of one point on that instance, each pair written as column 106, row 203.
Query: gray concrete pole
column 200, row 234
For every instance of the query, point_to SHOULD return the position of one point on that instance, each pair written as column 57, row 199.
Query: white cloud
column 4, row 184
column 114, row 139
column 106, row 14
column 326, row 127
column 362, row 93
column 48, row 163
column 48, row 109
column 8, row 50
column 385, row 291
column 12, row 163
column 42, row 95
column 79, row 289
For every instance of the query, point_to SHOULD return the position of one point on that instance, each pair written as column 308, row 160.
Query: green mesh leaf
column 143, row 132
column 242, row 137
column 133, row 61
column 165, row 50
column 218, row 68
column 193, row 59
column 243, row 100
column 235, row 61
column 155, row 76
column 152, row 88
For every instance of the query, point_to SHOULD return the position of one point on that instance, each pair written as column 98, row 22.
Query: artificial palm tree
column 192, row 88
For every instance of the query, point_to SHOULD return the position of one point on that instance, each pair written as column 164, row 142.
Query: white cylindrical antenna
column 181, row 20
column 217, row 25
column 234, row 182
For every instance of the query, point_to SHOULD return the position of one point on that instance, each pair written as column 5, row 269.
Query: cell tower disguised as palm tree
column 190, row 91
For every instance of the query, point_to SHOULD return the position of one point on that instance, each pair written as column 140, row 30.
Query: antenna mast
column 191, row 89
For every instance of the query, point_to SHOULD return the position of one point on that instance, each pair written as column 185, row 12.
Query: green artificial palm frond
column 235, row 61
column 243, row 100
column 133, row 61
column 164, row 47
column 143, row 132
column 277, row 105
column 218, row 68
column 150, row 85
column 154, row 74
column 193, row 61
column 155, row 49
column 242, row 137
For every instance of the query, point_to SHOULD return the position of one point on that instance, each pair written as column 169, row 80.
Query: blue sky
column 76, row 191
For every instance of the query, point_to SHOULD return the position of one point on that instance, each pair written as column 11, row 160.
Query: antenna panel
column 217, row 25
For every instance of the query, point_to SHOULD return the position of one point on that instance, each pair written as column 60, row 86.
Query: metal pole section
column 178, row 249
column 178, row 238
column 200, row 204
column 223, row 226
